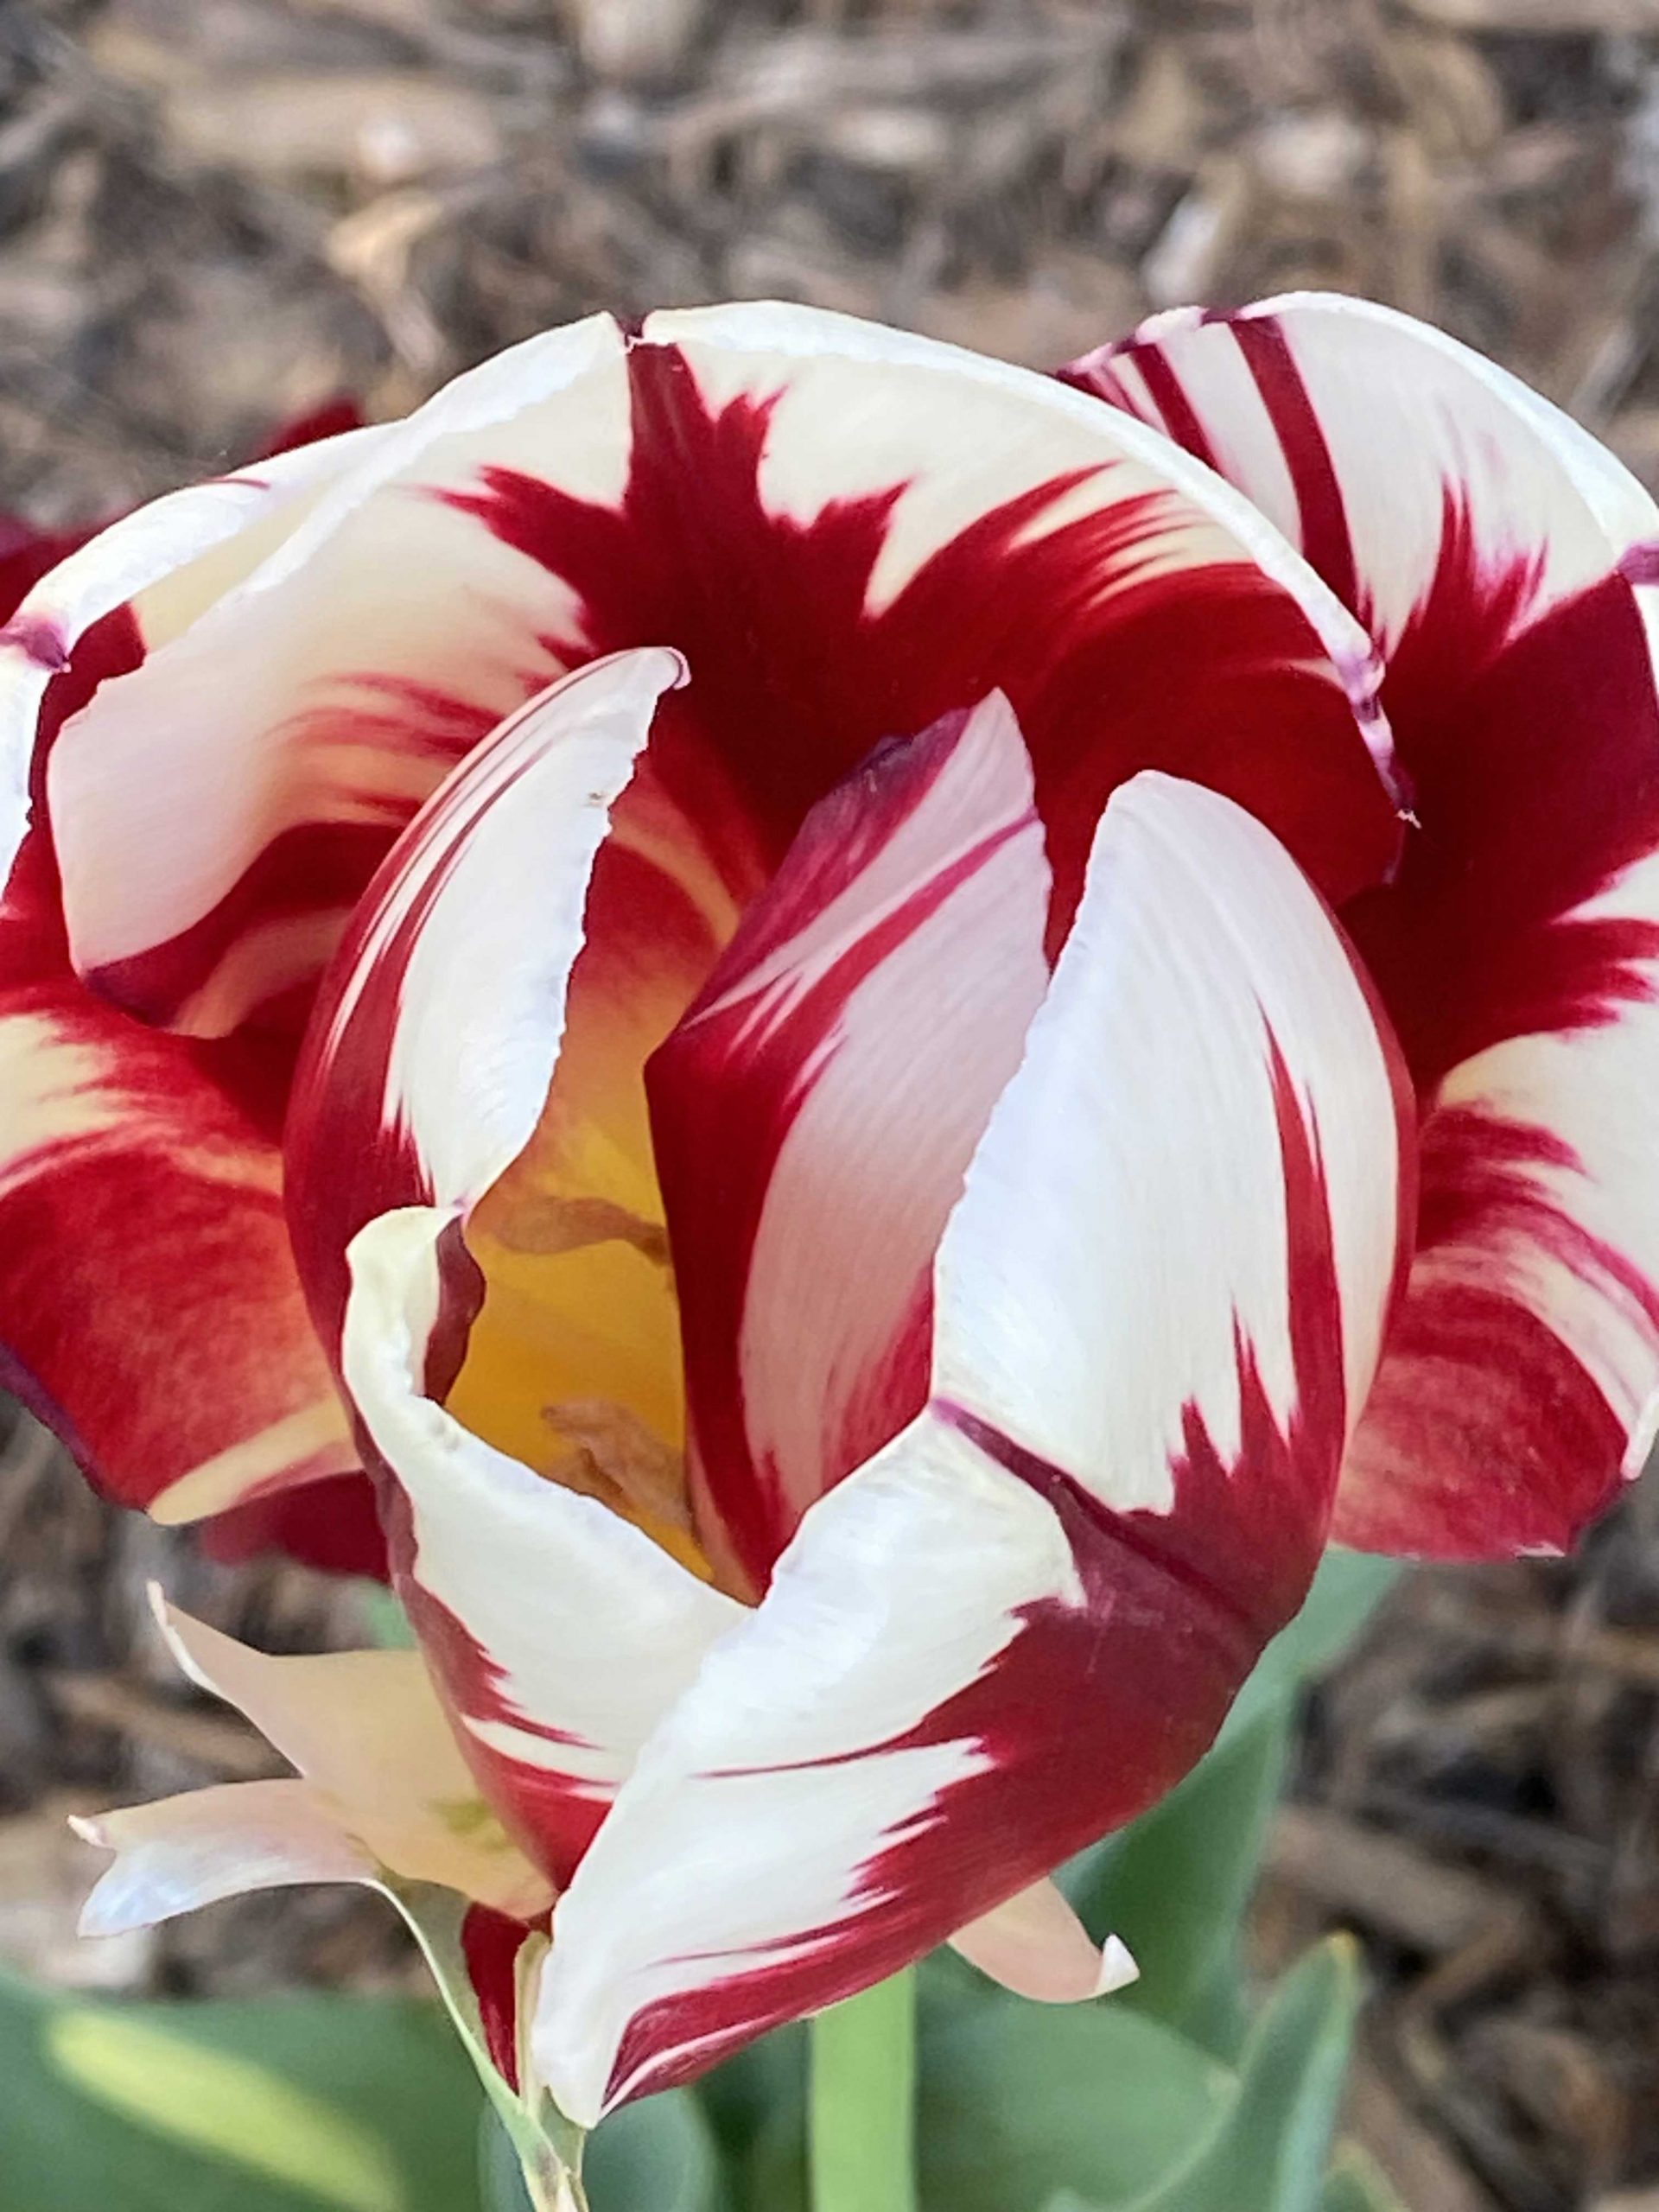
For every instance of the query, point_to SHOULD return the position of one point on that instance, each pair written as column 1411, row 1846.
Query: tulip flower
column 882, row 1033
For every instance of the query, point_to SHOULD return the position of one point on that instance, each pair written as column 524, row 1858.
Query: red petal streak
column 1111, row 664
column 332, row 1524
column 1095, row 1708
column 491, row 1943
column 148, row 1308
column 1517, row 949
column 815, row 1109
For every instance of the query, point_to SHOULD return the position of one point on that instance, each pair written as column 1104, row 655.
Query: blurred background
column 217, row 213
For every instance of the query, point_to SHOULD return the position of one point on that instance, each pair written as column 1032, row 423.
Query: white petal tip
column 1117, row 1967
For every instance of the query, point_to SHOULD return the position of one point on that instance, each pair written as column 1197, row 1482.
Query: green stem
column 551, row 2185
column 863, row 2127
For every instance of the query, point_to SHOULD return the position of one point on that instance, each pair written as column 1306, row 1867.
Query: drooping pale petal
column 1155, row 1308
column 1506, row 564
column 815, row 1109
column 148, row 1306
column 178, row 1853
column 693, row 486
column 558, row 1632
column 1036, row 1945
column 367, row 1731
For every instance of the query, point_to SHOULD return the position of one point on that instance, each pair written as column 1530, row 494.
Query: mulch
column 215, row 216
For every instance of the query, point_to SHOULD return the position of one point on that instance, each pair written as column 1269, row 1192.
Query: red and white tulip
column 880, row 1033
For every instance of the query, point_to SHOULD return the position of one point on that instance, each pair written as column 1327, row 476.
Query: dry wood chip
column 387, row 129
column 1542, row 18
column 219, row 1743
column 1384, row 1882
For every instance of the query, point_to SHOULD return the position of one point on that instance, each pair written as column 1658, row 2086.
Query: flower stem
column 550, row 2185
column 862, row 2132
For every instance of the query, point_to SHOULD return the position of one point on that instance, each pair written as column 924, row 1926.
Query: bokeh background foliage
column 217, row 213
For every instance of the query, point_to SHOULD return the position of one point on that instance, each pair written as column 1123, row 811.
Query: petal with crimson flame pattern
column 696, row 486
column 148, row 1306
column 557, row 1632
column 163, row 566
column 1157, row 1306
column 876, row 1001
column 434, row 1040
column 1506, row 564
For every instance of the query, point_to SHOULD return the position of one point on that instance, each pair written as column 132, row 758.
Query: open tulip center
column 573, row 1362
column 707, row 1278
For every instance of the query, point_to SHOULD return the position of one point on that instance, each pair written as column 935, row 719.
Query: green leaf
column 1347, row 1589
column 1354, row 2184
column 208, row 2100
column 304, row 2104
column 657, row 2155
column 501, row 2178
column 1175, row 1884
column 1020, row 2100
column 1269, row 2152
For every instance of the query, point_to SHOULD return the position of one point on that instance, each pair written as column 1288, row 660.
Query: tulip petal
column 1036, row 1945
column 148, row 1308
column 1505, row 563
column 1155, row 1307
column 181, row 1852
column 815, row 1109
column 160, row 568
column 366, row 1730
column 434, row 1041
column 557, row 1632
column 692, row 485
column 311, row 714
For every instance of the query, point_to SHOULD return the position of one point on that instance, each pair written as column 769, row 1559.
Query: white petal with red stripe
column 1364, row 436
column 435, row 1038
column 165, row 565
column 1505, row 561
column 332, row 692
column 148, row 1306
column 149, row 1310
column 839, row 1066
column 558, row 1632
column 986, row 527
column 971, row 1659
